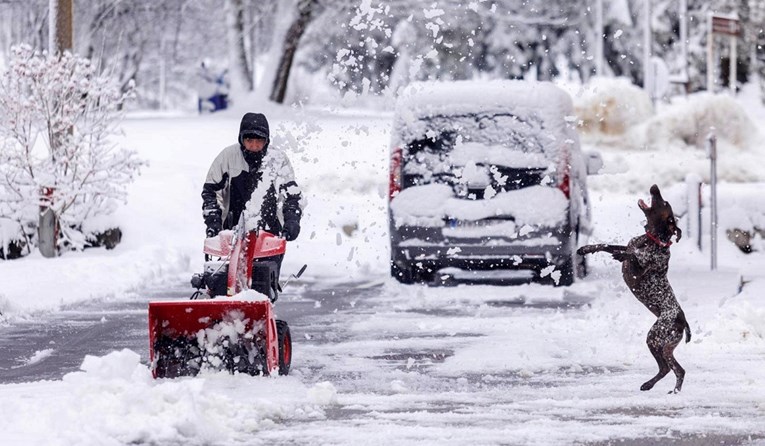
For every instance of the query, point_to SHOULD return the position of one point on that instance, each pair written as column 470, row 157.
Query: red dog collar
column 657, row 241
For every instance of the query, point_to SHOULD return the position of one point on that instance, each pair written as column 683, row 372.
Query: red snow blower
column 228, row 323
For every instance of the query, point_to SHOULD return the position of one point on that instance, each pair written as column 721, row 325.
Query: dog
column 645, row 261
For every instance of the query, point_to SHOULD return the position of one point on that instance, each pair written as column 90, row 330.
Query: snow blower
column 229, row 322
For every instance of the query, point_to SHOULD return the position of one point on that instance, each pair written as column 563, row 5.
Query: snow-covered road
column 380, row 363
column 394, row 364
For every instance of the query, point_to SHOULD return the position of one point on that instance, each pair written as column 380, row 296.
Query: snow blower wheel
column 285, row 347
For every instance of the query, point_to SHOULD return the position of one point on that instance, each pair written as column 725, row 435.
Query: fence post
column 693, row 192
column 47, row 229
column 712, row 153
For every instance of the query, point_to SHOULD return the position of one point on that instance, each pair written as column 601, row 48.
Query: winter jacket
column 236, row 173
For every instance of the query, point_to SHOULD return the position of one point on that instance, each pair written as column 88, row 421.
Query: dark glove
column 291, row 230
column 212, row 231
column 213, row 223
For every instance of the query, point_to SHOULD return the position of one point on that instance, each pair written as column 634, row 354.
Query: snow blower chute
column 223, row 326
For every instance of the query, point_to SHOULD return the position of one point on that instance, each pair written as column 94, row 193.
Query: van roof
column 421, row 100
column 460, row 96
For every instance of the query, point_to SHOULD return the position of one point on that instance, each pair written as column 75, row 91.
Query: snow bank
column 640, row 148
column 664, row 150
column 614, row 107
column 114, row 400
column 610, row 106
column 687, row 122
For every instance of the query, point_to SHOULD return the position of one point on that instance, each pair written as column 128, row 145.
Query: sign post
column 723, row 25
column 712, row 153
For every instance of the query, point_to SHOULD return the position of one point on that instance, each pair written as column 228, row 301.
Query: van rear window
column 471, row 152
column 440, row 133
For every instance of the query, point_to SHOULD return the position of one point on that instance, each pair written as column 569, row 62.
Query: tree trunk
column 241, row 79
column 252, row 19
column 60, row 30
column 60, row 33
column 291, row 41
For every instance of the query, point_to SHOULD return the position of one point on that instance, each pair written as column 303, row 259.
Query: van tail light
column 394, row 185
column 564, row 184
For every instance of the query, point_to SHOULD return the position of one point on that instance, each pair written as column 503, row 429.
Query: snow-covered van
column 486, row 177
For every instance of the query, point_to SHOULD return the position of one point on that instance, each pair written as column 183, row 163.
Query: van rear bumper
column 535, row 251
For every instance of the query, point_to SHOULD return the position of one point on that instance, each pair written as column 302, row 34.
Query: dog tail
column 686, row 327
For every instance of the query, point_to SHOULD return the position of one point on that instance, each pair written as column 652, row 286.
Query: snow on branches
column 58, row 117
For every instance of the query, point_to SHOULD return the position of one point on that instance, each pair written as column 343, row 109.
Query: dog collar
column 657, row 241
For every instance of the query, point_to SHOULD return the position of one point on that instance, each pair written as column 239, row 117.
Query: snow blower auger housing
column 229, row 322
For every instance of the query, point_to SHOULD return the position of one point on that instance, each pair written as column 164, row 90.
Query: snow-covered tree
column 305, row 11
column 57, row 117
column 241, row 76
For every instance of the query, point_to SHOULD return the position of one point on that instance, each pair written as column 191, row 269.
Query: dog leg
column 611, row 249
column 660, row 361
column 654, row 342
column 674, row 365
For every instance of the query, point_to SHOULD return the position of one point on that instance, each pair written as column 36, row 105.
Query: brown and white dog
column 645, row 261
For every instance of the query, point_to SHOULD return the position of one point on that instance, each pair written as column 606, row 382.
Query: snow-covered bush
column 611, row 106
column 57, row 117
column 687, row 122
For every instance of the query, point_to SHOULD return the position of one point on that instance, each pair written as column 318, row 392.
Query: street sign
column 726, row 25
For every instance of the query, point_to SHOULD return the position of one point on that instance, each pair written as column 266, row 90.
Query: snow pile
column 740, row 206
column 610, row 106
column 215, row 338
column 663, row 150
column 114, row 400
column 639, row 148
column 688, row 121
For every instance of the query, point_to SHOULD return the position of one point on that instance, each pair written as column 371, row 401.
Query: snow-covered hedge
column 57, row 115
column 610, row 106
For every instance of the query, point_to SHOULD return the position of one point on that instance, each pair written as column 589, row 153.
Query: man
column 242, row 168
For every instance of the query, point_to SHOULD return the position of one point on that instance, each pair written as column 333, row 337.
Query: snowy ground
column 568, row 375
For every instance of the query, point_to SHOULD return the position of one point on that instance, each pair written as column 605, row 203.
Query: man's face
column 254, row 144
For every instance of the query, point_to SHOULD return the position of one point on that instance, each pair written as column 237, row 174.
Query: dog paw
column 673, row 392
column 646, row 386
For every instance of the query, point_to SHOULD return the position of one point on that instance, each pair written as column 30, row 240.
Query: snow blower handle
column 294, row 276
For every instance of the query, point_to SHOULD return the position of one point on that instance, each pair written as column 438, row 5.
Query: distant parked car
column 484, row 177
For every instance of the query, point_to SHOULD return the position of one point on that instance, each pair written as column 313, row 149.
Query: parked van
column 487, row 177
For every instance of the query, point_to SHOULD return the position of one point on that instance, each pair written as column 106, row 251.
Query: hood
column 254, row 123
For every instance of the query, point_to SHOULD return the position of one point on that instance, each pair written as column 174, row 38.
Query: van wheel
column 567, row 274
column 404, row 275
column 581, row 266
